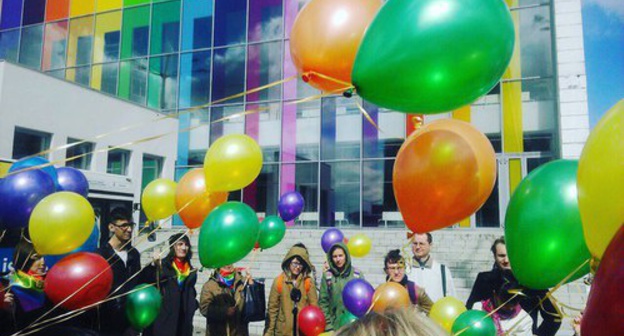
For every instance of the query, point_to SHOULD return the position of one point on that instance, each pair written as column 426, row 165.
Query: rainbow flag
column 28, row 290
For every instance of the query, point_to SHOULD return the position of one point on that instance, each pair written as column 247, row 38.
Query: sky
column 603, row 33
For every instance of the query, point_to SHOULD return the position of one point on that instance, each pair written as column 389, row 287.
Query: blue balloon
column 71, row 179
column 34, row 162
column 19, row 194
column 89, row 246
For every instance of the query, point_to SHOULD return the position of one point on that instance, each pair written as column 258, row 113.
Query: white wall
column 36, row 101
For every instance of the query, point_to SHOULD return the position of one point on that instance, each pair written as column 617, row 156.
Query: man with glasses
column 125, row 262
column 394, row 266
column 435, row 278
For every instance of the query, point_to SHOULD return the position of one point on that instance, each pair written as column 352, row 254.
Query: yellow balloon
column 61, row 223
column 601, row 181
column 445, row 311
column 232, row 163
column 359, row 245
column 158, row 199
column 329, row 333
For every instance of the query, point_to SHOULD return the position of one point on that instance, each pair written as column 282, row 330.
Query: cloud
column 611, row 7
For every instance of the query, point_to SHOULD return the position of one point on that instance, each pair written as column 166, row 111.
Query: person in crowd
column 125, row 263
column 394, row 266
column 434, row 277
column 333, row 281
column 176, row 278
column 510, row 319
column 534, row 302
column 294, row 287
column 394, row 322
column 222, row 302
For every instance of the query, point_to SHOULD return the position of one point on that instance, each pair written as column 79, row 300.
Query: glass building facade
column 174, row 56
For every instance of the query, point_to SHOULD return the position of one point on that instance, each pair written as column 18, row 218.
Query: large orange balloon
column 390, row 295
column 192, row 200
column 325, row 38
column 443, row 173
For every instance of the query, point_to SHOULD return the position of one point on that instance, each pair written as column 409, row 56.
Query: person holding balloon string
column 292, row 291
column 222, row 303
column 394, row 267
column 176, row 278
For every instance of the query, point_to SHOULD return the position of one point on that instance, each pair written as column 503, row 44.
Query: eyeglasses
column 396, row 268
column 128, row 225
column 296, row 264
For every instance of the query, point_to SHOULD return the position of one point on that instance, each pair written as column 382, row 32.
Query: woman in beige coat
column 295, row 277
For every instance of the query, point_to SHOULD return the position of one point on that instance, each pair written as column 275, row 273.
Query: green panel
column 165, row 28
column 135, row 24
column 162, row 82
column 134, row 2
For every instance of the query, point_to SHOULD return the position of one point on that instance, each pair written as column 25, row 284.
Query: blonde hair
column 399, row 322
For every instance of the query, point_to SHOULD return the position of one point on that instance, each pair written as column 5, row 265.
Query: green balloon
column 543, row 230
column 477, row 322
column 272, row 231
column 143, row 306
column 433, row 56
column 228, row 234
column 346, row 318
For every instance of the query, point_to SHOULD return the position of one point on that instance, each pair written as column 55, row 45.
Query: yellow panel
column 70, row 75
column 81, row 7
column 513, row 141
column 4, row 168
column 105, row 5
column 104, row 23
column 462, row 113
column 96, row 77
column 515, row 174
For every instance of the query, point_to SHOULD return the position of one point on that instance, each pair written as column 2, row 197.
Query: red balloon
column 67, row 277
column 605, row 307
column 311, row 321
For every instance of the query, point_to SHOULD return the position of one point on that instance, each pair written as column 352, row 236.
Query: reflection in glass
column 197, row 24
column 262, row 195
column 220, row 127
column 194, row 79
column 198, row 137
column 341, row 129
column 79, row 75
column 118, row 160
column 82, row 162
column 265, row 126
column 80, row 42
column 165, row 28
column 536, row 42
column 489, row 214
column 228, row 73
column 308, row 128
column 163, row 82
column 340, row 193
column 107, row 37
column 264, row 66
column 9, row 41
column 539, row 115
column 385, row 143
column 135, row 33
column 133, row 80
column 30, row 47
column 230, row 22
column 54, row 45
column 378, row 202
column 265, row 20
column 104, row 78
column 303, row 177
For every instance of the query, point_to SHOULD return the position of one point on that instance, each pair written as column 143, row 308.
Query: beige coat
column 279, row 313
column 215, row 300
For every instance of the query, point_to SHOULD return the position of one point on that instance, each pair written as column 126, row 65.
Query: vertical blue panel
column 230, row 23
column 34, row 10
column 194, row 79
column 11, row 14
column 228, row 73
column 197, row 18
column 8, row 44
column 30, row 48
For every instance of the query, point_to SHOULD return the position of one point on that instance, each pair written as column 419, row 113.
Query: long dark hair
column 180, row 237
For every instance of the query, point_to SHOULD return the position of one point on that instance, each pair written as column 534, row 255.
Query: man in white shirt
column 435, row 278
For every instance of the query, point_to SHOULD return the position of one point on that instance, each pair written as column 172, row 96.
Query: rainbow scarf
column 28, row 289
column 182, row 269
column 227, row 277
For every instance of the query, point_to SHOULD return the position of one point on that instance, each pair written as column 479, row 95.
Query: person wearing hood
column 294, row 284
column 222, row 302
column 333, row 282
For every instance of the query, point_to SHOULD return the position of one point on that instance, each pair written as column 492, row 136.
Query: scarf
column 28, row 288
column 227, row 277
column 182, row 270
column 488, row 307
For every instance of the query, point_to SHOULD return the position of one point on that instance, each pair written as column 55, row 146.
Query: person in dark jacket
column 125, row 263
column 488, row 282
column 176, row 278
column 222, row 303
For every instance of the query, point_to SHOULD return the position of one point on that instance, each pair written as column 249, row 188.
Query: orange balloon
column 325, row 38
column 443, row 173
column 193, row 202
column 390, row 295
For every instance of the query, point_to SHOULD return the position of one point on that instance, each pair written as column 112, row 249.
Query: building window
column 118, row 160
column 28, row 142
column 111, row 45
column 82, row 152
column 152, row 169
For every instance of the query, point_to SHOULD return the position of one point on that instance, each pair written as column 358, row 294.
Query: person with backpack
column 333, row 281
column 292, row 290
column 394, row 266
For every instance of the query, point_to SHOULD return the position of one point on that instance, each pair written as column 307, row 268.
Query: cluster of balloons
column 50, row 201
column 443, row 173
column 445, row 311
column 338, row 42
column 359, row 297
column 359, row 245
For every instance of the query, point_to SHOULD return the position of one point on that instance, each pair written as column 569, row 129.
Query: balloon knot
column 305, row 77
column 348, row 93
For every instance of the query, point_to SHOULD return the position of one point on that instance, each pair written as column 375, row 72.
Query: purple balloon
column 34, row 162
column 357, row 296
column 290, row 205
column 70, row 179
column 19, row 194
column 331, row 237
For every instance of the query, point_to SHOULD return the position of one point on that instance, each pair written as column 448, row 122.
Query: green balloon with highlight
column 272, row 231
column 143, row 306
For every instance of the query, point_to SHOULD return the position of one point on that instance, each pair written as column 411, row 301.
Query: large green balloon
column 272, row 231
column 432, row 56
column 543, row 229
column 228, row 234
column 143, row 306
column 477, row 323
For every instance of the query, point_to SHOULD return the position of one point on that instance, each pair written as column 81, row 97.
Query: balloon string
column 329, row 78
column 168, row 116
column 367, row 116
column 489, row 314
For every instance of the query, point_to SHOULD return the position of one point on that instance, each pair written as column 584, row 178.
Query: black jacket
column 488, row 282
column 179, row 303
column 112, row 314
